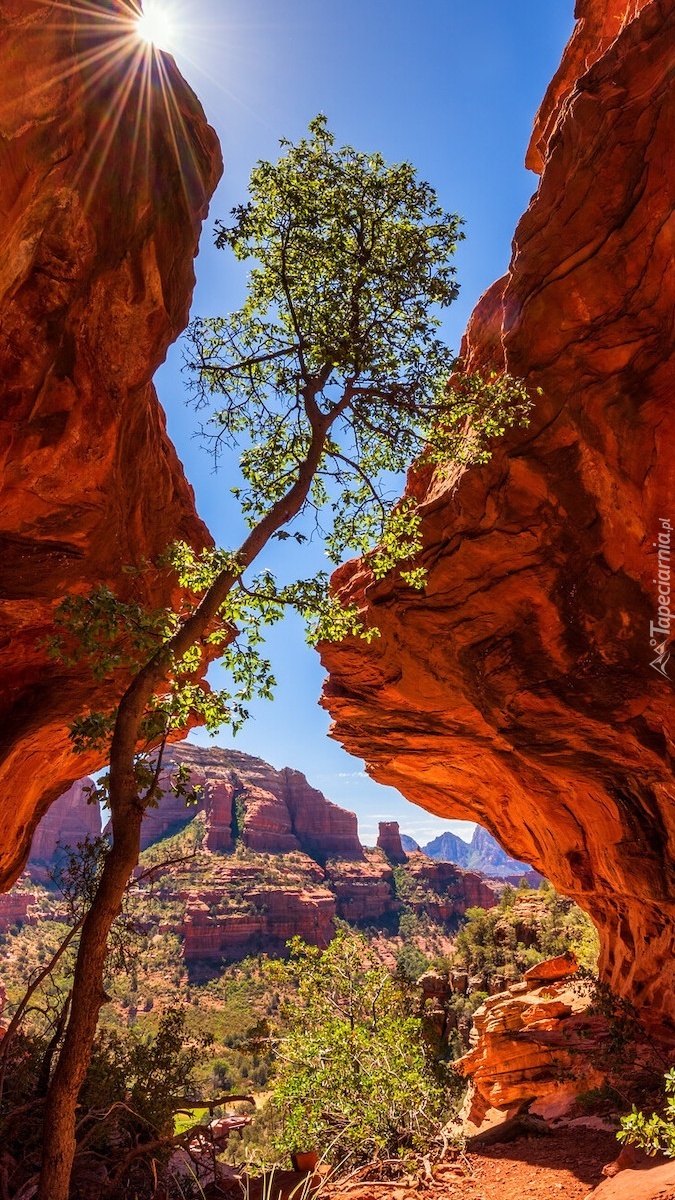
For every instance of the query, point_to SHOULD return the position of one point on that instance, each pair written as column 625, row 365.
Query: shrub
column 352, row 1074
column 653, row 1133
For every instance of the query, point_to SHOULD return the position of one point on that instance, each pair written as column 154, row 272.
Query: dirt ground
column 561, row 1166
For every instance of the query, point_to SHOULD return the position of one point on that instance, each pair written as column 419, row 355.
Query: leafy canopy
column 352, row 264
column 329, row 380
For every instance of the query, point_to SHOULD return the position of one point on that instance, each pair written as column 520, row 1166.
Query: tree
column 331, row 378
column 653, row 1133
column 351, row 1073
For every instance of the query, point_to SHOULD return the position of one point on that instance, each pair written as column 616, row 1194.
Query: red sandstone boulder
column 552, row 969
column 222, row 1127
column 653, row 1183
column 530, row 1051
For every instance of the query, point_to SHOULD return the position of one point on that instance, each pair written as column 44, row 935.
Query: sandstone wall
column 272, row 918
column 517, row 690
column 280, row 810
column 96, row 275
column 68, row 821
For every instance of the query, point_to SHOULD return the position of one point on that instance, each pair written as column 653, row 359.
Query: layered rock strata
column 531, row 1050
column 248, row 902
column 389, row 840
column 245, row 798
column 70, row 820
column 527, row 688
column 212, row 930
column 17, row 908
column 454, row 890
column 104, row 189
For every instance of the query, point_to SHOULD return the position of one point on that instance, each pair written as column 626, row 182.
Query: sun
column 154, row 25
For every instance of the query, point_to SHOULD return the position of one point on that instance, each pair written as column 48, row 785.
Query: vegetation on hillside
column 497, row 945
column 261, row 1025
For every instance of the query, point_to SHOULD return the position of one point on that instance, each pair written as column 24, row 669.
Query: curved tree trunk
column 127, row 810
column 60, row 1111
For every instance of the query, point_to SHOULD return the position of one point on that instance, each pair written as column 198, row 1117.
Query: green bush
column 351, row 1074
column 654, row 1133
column 411, row 963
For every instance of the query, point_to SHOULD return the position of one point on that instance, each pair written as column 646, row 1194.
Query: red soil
column 565, row 1165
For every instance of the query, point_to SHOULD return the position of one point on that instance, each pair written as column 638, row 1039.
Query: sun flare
column 154, row 25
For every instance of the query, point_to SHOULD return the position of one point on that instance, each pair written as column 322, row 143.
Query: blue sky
column 451, row 87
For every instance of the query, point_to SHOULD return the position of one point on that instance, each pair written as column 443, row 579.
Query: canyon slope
column 523, row 688
column 101, row 209
column 260, row 857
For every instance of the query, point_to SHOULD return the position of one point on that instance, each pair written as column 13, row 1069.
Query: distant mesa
column 279, row 812
column 274, row 859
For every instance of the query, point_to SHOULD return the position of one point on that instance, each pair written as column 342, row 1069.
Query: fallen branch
column 188, row 1103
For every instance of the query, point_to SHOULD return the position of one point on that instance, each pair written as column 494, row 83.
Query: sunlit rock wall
column 523, row 689
column 104, row 188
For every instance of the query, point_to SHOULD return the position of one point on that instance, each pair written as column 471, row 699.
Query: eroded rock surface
column 517, row 690
column 100, row 213
column 244, row 797
column 67, row 822
column 267, row 858
column 214, row 928
column 389, row 840
column 532, row 1050
column 17, row 908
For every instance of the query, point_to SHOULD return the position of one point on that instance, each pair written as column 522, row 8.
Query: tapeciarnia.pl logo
column 659, row 630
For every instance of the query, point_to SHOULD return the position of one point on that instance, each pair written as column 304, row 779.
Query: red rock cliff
column 68, row 821
column 101, row 207
column 517, row 690
column 280, row 811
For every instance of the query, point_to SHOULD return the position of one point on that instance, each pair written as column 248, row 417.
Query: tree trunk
column 127, row 811
column 58, row 1147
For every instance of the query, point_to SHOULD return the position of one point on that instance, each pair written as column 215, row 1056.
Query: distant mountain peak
column 483, row 853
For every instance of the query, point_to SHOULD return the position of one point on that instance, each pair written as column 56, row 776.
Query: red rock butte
column 278, row 860
column 279, row 810
column 96, row 277
column 518, row 689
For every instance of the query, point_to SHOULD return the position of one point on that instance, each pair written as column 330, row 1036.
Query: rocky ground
column 571, row 1164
